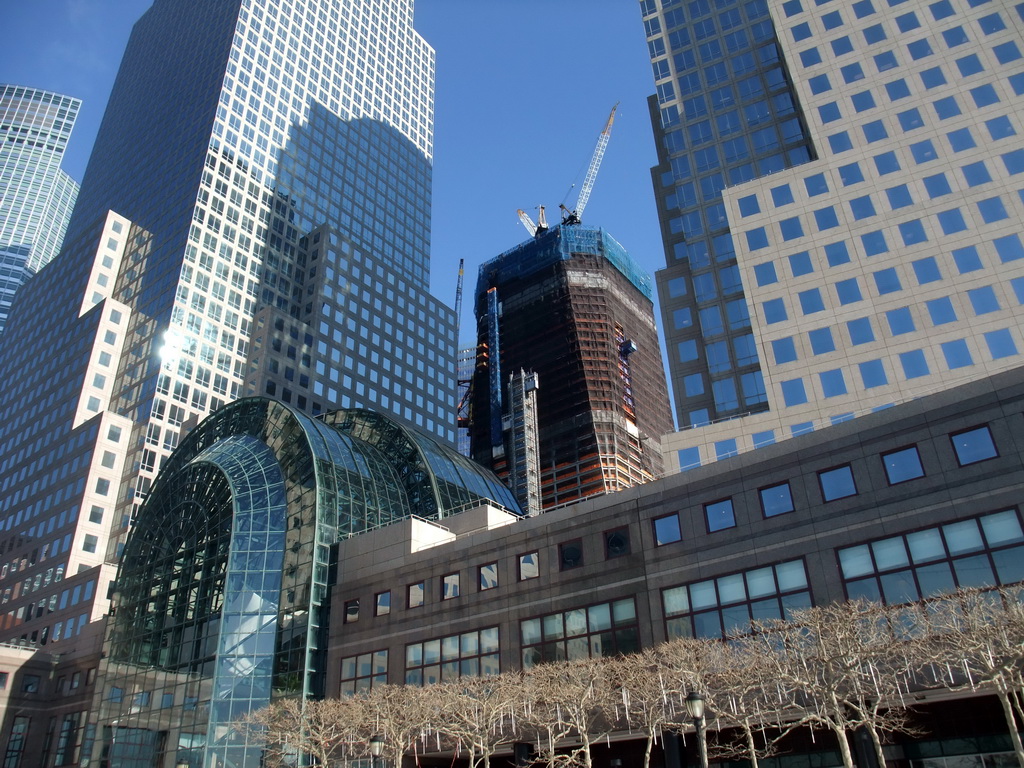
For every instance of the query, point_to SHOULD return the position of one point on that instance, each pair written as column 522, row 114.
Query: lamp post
column 695, row 708
column 376, row 749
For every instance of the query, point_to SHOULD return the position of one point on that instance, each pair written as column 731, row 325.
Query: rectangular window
column 605, row 629
column 382, row 603
column 973, row 445
column 616, row 543
column 363, row 672
column 902, row 465
column 666, row 529
column 443, row 659
column 414, row 594
column 351, row 611
column 776, row 499
column 529, row 566
column 570, row 554
column 837, row 483
column 449, row 586
column 488, row 576
column 719, row 515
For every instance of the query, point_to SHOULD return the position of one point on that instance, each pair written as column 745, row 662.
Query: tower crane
column 576, row 215
column 535, row 230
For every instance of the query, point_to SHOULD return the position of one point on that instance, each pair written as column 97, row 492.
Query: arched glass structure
column 220, row 604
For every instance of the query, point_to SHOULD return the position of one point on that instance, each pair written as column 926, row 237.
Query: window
column 941, row 310
column 605, row 629
column 793, row 392
column 616, row 543
column 488, row 576
column 414, row 594
column 719, row 515
column 900, row 321
column 382, row 603
column 848, row 291
column 666, row 529
column 902, row 465
column 821, row 341
column 351, row 611
column 529, row 566
column 726, row 605
column 443, row 659
column 449, row 586
column 776, row 499
column 570, row 554
column 915, row 364
column 973, row 445
column 837, row 483
column 833, row 383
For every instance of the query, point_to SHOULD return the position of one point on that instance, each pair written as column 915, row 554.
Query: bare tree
column 291, row 728
column 647, row 700
column 480, row 713
column 399, row 715
column 976, row 640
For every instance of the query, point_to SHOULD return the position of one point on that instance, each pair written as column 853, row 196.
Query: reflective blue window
column 819, row 84
column 833, row 384
column 852, row 72
column 801, row 32
column 776, row 500
column 897, row 89
column 687, row 350
column 693, row 385
column 862, row 207
column 872, row 373
column 719, row 515
column 761, row 439
column 969, row 65
column 919, row 49
column 886, row 61
column 1000, row 343
column 926, row 270
column 937, row 185
column 791, row 229
column 991, row 23
column 941, row 311
column 811, row 301
column 932, row 78
column 748, row 205
column 765, row 273
column 784, row 350
column 688, row 458
column 957, row 354
column 757, row 239
column 914, row 364
column 837, row 483
column 900, row 321
column 874, row 34
column 951, row 221
column 726, row 448
column 816, row 185
column 984, row 95
column 1006, row 52
column 863, row 101
column 829, row 112
column 941, row 10
column 826, row 218
column 848, row 291
column 887, row 281
column 1000, row 128
column 801, row 428
column 946, row 108
column 863, row 8
column 726, row 399
column 973, row 445
column 967, row 259
column 874, row 131
column 800, row 264
column 850, row 174
column 923, row 151
column 821, row 341
column 983, row 300
column 907, row 22
column 874, row 243
column 992, row 209
column 899, row 196
column 837, row 253
column 832, row 20
column 1009, row 248
column 704, row 288
column 793, row 392
column 1014, row 161
column 887, row 162
column 774, row 311
column 902, row 465
column 860, row 331
column 810, row 57
column 840, row 142
column 912, row 232
column 717, row 354
column 781, row 195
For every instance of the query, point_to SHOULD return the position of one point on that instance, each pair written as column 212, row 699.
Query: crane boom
column 458, row 300
column 595, row 164
column 527, row 222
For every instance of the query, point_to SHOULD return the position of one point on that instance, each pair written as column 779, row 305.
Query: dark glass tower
column 725, row 112
column 574, row 308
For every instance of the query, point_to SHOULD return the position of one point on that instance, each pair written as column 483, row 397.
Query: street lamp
column 695, row 708
column 376, row 749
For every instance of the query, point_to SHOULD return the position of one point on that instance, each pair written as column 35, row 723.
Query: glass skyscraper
column 890, row 265
column 36, row 196
column 254, row 218
column 725, row 112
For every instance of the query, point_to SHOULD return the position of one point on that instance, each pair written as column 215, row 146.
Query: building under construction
column 572, row 307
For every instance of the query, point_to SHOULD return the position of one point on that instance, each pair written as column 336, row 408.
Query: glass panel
column 577, row 648
column 890, row 553
column 855, row 561
column 600, row 617
column 627, row 640
column 575, row 622
column 623, row 611
column 795, row 602
column 926, row 546
column 450, row 670
column 1009, row 564
column 431, row 651
column 489, row 640
column 731, row 590
column 681, row 627
column 935, row 579
column 528, row 566
column 553, row 627
column 490, row 665
column 702, row 594
column 707, row 624
column 963, row 537
column 791, row 575
column 450, row 647
column 666, row 529
column 765, row 610
column 530, row 631
column 760, row 582
column 470, row 667
column 899, row 587
column 974, row 571
column 777, row 500
column 469, row 644
column 864, row 588
column 736, row 619
column 675, row 601
column 531, row 657
column 1002, row 528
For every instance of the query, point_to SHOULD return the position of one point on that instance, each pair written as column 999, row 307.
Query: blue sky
column 523, row 89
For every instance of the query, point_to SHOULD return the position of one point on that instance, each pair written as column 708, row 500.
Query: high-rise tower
column 255, row 215
column 36, row 196
column 572, row 307
column 725, row 112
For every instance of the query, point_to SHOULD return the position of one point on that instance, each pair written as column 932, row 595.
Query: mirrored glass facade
column 220, row 604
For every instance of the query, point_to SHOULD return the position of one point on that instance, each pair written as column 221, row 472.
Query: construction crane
column 535, row 230
column 458, row 300
column 576, row 215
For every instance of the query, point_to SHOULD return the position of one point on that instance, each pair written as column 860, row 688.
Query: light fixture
column 695, row 705
column 376, row 745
